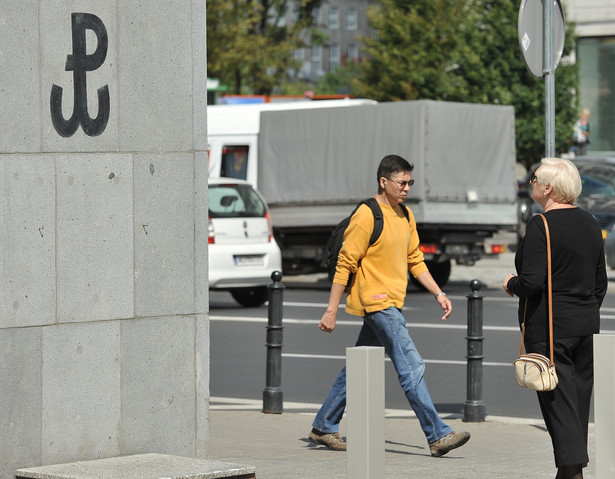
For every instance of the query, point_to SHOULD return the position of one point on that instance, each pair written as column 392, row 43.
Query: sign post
column 542, row 30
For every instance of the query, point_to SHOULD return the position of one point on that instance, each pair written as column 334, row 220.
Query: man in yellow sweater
column 377, row 292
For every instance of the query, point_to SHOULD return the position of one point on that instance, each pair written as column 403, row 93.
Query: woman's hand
column 505, row 285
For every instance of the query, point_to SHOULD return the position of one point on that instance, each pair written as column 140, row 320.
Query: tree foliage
column 338, row 81
column 466, row 51
column 249, row 44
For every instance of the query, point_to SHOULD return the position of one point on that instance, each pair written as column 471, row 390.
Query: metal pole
column 474, row 408
column 548, row 63
column 272, row 394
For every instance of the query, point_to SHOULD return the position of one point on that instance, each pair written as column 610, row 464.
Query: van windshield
column 229, row 201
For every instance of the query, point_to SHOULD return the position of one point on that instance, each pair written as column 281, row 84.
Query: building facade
column 595, row 26
column 344, row 22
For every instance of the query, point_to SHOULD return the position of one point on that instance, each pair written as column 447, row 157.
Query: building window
column 333, row 18
column 316, row 60
column 351, row 18
column 295, row 14
column 352, row 53
column 334, row 56
column 316, row 53
column 316, row 15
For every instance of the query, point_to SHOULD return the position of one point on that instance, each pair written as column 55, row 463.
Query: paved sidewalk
column 277, row 445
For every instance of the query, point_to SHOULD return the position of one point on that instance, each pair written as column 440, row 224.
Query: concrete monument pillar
column 103, row 230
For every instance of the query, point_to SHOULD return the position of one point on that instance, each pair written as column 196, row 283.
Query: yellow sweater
column 381, row 270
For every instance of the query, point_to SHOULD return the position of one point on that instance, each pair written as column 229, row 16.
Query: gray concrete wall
column 104, row 340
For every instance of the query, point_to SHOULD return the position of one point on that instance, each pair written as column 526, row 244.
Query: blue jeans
column 388, row 328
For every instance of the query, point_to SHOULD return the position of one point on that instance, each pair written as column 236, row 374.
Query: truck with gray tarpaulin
column 313, row 161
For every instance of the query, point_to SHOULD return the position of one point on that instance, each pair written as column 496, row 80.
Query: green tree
column 467, row 51
column 250, row 46
column 338, row 81
column 410, row 51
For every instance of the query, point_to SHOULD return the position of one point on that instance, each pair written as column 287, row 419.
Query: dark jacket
column 578, row 275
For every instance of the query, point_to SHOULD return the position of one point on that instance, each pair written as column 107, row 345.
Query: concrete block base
column 141, row 466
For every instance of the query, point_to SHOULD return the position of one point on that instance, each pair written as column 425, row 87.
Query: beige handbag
column 535, row 371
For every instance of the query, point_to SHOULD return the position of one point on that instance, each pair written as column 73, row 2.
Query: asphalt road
column 312, row 359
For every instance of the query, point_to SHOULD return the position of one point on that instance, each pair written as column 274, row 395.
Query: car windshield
column 598, row 179
column 231, row 201
column 593, row 187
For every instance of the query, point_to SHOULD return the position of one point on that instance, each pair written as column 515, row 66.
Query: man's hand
column 327, row 323
column 446, row 305
column 427, row 281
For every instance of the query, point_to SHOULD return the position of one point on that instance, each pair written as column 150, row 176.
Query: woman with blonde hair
column 579, row 284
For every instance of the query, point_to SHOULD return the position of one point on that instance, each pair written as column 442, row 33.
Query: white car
column 242, row 250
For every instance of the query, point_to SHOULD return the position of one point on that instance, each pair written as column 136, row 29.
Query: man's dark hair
column 390, row 165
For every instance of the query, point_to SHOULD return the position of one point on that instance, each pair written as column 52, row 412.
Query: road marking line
column 356, row 323
column 427, row 361
column 411, row 325
column 513, row 301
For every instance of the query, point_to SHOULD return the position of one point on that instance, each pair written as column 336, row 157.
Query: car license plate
column 249, row 260
column 457, row 249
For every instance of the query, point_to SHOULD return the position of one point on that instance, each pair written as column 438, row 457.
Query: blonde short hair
column 563, row 176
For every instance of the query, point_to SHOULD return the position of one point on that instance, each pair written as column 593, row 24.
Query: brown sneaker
column 331, row 440
column 448, row 443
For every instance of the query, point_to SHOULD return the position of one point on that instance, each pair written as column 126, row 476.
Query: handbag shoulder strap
column 549, row 284
column 549, row 295
column 523, row 328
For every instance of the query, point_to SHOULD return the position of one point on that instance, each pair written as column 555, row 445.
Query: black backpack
column 334, row 245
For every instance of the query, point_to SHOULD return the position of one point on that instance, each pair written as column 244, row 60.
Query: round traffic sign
column 531, row 32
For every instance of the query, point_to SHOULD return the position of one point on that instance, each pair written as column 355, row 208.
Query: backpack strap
column 404, row 210
column 378, row 221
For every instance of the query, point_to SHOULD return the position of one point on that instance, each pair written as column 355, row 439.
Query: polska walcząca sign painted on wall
column 80, row 63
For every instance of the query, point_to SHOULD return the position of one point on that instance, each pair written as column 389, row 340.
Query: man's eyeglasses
column 402, row 184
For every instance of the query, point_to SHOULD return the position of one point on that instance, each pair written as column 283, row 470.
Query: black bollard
column 272, row 394
column 474, row 408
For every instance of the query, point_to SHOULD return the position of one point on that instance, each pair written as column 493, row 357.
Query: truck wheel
column 439, row 270
column 250, row 297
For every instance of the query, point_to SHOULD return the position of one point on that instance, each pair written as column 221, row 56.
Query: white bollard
column 365, row 412
column 604, row 399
